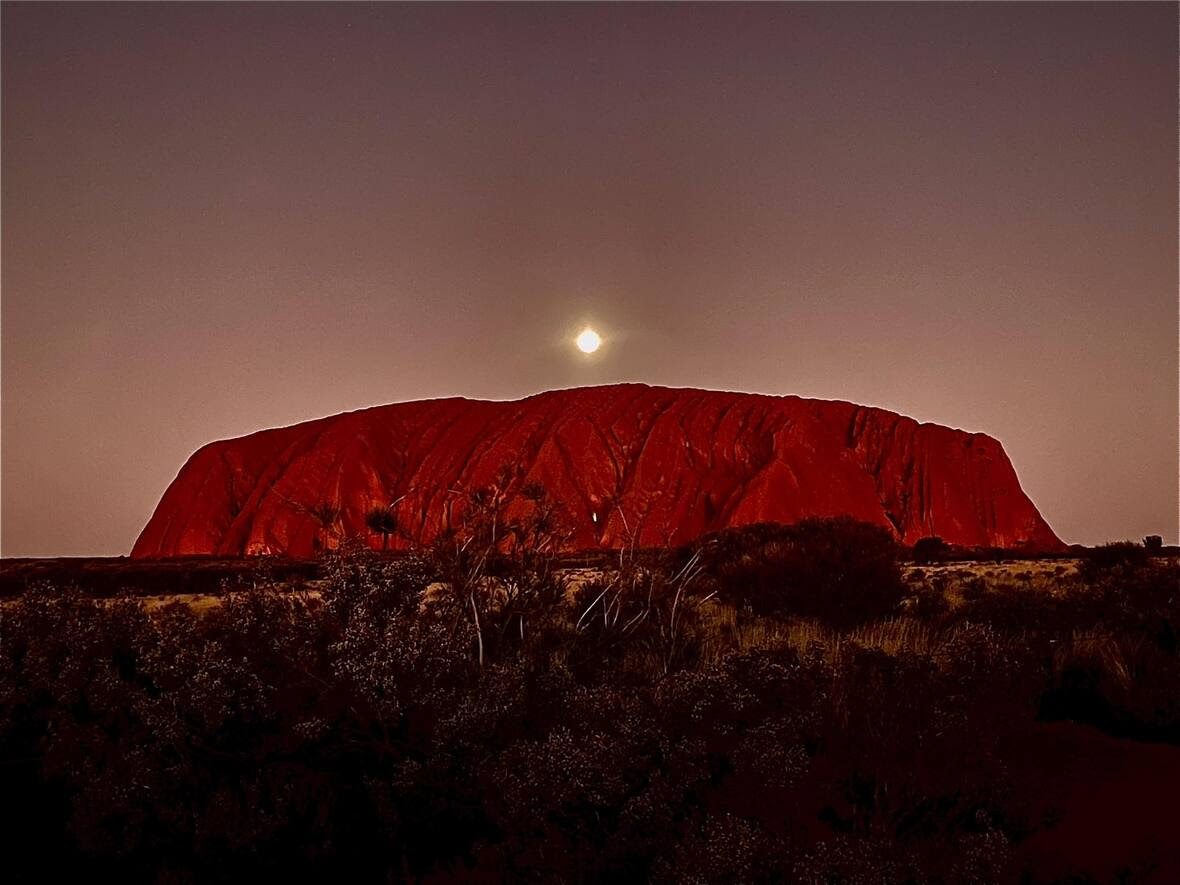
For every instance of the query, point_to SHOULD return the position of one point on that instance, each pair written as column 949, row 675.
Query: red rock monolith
column 663, row 465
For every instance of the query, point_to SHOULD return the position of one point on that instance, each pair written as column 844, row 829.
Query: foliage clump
column 840, row 571
column 930, row 549
column 1116, row 557
column 470, row 712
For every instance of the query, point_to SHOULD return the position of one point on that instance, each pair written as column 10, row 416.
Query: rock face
column 664, row 464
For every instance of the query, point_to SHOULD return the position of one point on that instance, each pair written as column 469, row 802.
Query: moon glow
column 588, row 341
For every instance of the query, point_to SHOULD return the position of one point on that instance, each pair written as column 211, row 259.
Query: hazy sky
column 228, row 217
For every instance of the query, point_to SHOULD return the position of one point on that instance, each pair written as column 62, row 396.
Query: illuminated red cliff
column 670, row 464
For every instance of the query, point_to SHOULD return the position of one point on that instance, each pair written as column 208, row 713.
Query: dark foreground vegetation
column 779, row 704
column 118, row 575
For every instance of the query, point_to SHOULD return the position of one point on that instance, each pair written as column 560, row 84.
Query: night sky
column 223, row 218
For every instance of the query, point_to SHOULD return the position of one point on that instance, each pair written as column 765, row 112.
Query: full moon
column 589, row 341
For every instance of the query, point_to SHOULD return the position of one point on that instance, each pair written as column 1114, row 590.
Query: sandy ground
column 1109, row 806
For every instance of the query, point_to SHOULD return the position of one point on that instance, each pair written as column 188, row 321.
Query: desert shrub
column 1019, row 610
column 941, row 581
column 724, row 704
column 295, row 734
column 216, row 743
column 914, row 744
column 1119, row 665
column 725, row 848
column 842, row 858
column 984, row 855
column 930, row 549
column 1116, row 557
column 905, row 754
column 1142, row 599
column 63, row 665
column 839, row 570
column 498, row 566
column 924, row 600
column 1121, row 684
column 746, row 566
column 559, row 793
column 642, row 616
column 973, row 589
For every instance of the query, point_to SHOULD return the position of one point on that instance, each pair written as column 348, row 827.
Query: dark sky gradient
column 223, row 218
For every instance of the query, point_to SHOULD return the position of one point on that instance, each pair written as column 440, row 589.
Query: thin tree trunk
column 478, row 630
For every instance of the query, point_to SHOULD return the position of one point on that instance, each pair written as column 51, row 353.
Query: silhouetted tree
column 326, row 516
column 382, row 521
column 499, row 561
column 1154, row 543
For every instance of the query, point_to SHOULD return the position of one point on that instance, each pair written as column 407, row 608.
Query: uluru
column 625, row 462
